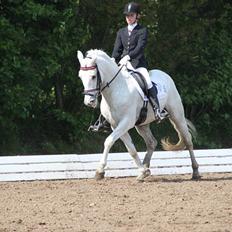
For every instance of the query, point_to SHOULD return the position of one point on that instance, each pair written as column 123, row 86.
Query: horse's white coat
column 121, row 104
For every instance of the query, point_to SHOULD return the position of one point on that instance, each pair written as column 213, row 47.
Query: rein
column 98, row 88
column 108, row 83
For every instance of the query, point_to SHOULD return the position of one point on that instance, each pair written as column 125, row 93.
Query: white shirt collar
column 132, row 26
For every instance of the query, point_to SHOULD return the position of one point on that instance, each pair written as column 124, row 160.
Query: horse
column 121, row 104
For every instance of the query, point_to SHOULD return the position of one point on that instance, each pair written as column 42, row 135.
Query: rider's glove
column 124, row 60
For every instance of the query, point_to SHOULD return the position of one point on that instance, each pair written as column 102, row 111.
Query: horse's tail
column 180, row 145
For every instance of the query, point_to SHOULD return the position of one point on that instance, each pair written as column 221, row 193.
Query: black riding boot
column 152, row 94
column 101, row 125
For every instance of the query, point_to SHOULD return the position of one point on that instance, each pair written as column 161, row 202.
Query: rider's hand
column 113, row 59
column 124, row 60
column 127, row 57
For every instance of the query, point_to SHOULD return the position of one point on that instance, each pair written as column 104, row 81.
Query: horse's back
column 160, row 78
column 167, row 92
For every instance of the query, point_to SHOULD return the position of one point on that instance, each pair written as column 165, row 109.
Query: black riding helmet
column 131, row 7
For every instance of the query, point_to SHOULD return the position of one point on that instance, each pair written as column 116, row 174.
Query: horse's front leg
column 120, row 130
column 144, row 171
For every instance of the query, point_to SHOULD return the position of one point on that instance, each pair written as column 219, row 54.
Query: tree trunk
column 59, row 92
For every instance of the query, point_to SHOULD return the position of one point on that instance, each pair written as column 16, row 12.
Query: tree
column 41, row 106
column 192, row 42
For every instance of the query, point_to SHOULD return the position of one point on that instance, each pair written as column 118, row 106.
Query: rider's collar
column 132, row 26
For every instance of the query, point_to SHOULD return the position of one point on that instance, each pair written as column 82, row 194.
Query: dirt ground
column 162, row 203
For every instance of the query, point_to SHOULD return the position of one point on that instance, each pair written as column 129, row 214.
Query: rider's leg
column 152, row 92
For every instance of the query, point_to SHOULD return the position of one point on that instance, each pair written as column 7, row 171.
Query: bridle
column 98, row 88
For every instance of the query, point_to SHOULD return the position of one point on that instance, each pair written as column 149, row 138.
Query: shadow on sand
column 187, row 178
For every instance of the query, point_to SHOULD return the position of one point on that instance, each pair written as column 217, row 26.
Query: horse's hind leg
column 182, row 127
column 196, row 174
column 189, row 146
column 132, row 150
column 150, row 141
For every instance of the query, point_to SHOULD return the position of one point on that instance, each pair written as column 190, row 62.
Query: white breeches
column 144, row 72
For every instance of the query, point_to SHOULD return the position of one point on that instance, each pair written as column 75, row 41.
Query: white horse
column 121, row 104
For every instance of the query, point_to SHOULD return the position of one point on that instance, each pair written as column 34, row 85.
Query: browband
column 87, row 68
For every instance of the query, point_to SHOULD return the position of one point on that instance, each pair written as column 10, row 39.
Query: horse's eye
column 93, row 77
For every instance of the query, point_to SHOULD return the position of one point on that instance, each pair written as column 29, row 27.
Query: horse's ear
column 80, row 56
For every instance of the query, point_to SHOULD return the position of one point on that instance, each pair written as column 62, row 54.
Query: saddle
column 140, row 80
column 143, row 85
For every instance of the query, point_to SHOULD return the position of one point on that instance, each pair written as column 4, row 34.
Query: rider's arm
column 118, row 47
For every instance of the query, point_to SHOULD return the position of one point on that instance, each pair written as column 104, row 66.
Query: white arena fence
column 79, row 166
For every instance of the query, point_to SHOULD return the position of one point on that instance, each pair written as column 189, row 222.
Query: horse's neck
column 113, row 78
column 115, row 89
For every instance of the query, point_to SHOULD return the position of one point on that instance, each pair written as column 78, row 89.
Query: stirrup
column 93, row 128
column 100, row 126
column 164, row 114
column 160, row 116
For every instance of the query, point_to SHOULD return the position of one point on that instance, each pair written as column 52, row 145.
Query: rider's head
column 132, row 12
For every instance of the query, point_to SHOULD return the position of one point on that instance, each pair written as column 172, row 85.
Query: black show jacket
column 132, row 45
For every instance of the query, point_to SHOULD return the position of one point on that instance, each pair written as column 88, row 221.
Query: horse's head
column 89, row 75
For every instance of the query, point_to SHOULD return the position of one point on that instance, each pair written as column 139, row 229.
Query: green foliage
column 41, row 107
column 192, row 42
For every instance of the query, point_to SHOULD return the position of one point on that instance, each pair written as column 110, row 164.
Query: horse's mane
column 101, row 56
column 96, row 53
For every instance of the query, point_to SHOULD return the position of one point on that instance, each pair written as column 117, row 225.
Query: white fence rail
column 76, row 166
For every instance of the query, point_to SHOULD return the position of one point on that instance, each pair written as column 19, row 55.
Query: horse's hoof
column 99, row 175
column 146, row 165
column 143, row 175
column 196, row 176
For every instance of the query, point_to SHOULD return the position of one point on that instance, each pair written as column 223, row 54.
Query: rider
column 130, row 43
